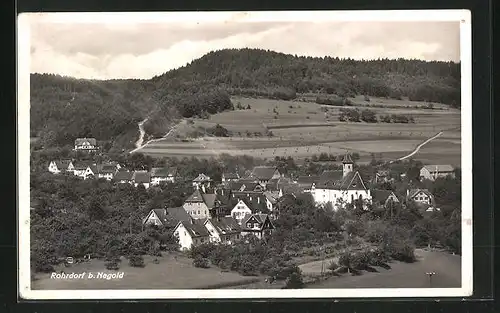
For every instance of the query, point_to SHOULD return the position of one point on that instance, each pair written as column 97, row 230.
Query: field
column 178, row 273
column 301, row 129
column 401, row 275
column 170, row 273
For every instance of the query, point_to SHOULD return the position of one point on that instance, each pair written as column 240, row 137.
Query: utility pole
column 430, row 274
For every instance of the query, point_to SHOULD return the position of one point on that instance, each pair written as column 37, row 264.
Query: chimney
column 258, row 200
column 407, row 192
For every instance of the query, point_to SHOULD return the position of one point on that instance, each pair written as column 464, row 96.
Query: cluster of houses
column 240, row 206
column 226, row 212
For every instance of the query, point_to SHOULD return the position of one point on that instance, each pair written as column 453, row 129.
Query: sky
column 102, row 49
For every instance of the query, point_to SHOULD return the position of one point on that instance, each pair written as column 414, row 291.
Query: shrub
column 294, row 281
column 333, row 266
column 201, row 262
column 136, row 261
column 112, row 265
column 366, row 98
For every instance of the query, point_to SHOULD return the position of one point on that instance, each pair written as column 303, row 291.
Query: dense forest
column 64, row 108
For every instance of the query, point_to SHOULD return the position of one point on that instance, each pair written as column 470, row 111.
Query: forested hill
column 109, row 109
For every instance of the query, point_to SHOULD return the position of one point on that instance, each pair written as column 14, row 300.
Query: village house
column 202, row 181
column 244, row 203
column 420, row 196
column 123, row 177
column 107, row 171
column 230, row 177
column 56, row 167
column 202, row 205
column 86, row 144
column 382, row 176
column 166, row 217
column 163, row 174
column 263, row 174
column 383, row 197
column 339, row 187
column 432, row 172
column 191, row 233
column 141, row 178
column 272, row 198
column 223, row 230
column 259, row 225
column 84, row 169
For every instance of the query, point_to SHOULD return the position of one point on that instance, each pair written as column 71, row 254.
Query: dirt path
column 139, row 142
column 420, row 146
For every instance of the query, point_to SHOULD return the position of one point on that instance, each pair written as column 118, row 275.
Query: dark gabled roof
column 292, row 188
column 413, row 192
column 244, row 186
column 446, row 168
column 259, row 217
column 209, row 199
column 123, row 175
column 272, row 196
column 163, row 171
column 81, row 141
column 380, row 195
column 141, row 177
column 107, row 168
column 195, row 197
column 82, row 165
column 347, row 159
column 172, row 216
column 307, row 180
column 329, row 178
column 62, row 164
column 263, row 172
column 195, row 229
column 225, row 225
column 202, row 178
column 350, row 181
column 227, row 175
column 251, row 200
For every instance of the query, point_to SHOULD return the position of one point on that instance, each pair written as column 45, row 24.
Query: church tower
column 347, row 164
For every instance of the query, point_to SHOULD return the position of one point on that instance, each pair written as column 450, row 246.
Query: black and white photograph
column 205, row 155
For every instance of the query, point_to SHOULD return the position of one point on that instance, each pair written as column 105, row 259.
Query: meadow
column 301, row 129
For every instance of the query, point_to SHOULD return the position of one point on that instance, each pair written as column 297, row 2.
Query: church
column 339, row 187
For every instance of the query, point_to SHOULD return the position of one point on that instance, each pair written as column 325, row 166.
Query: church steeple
column 347, row 164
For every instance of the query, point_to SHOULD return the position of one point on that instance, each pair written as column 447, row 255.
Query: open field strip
column 170, row 273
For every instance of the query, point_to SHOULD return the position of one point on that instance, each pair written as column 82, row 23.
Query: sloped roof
column 243, row 186
column 263, row 172
column 163, row 171
column 380, row 195
column 195, row 197
column 259, row 217
column 82, row 165
column 107, row 168
column 62, row 164
column 195, row 229
column 272, row 196
column 307, row 180
column 82, row 141
column 230, row 175
column 446, row 168
column 329, row 178
column 350, row 181
column 209, row 199
column 225, row 225
column 347, row 159
column 142, row 177
column 202, row 178
column 413, row 192
column 251, row 200
column 123, row 175
column 172, row 216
